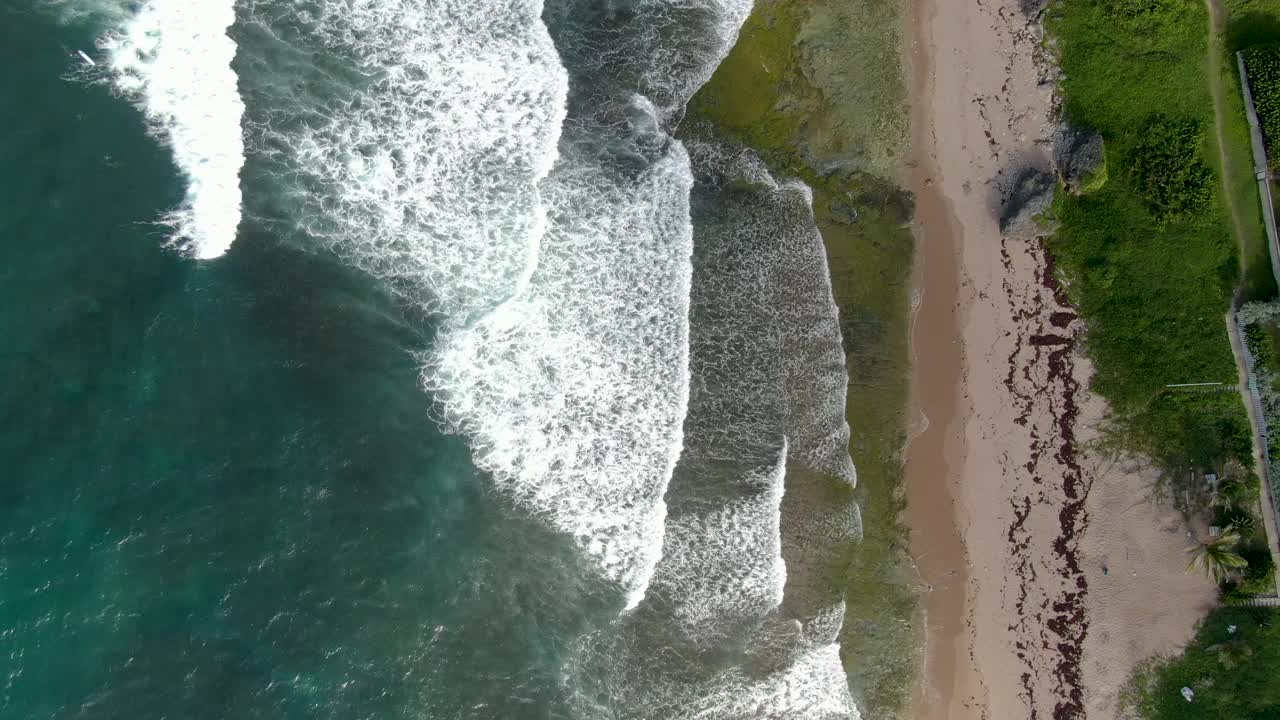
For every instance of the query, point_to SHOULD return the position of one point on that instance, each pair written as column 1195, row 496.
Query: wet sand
column 936, row 453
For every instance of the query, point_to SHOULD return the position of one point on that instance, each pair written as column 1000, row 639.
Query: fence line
column 1261, row 170
column 1245, row 364
column 1256, row 602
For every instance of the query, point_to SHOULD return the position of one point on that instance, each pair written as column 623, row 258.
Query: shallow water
column 475, row 396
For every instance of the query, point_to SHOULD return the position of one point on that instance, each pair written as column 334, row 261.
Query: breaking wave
column 657, row 390
column 573, row 391
column 423, row 153
column 727, row 629
column 663, row 49
column 173, row 60
column 456, row 159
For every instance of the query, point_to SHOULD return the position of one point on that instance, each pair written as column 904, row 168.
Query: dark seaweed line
column 1050, row 348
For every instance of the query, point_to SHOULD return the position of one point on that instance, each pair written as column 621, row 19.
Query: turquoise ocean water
column 474, row 413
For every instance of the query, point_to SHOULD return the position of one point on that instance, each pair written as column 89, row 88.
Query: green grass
column 1153, row 285
column 1120, row 69
column 808, row 88
column 1166, row 169
column 1233, row 675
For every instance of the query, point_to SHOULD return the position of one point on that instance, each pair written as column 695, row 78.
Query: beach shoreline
column 934, row 452
column 1048, row 572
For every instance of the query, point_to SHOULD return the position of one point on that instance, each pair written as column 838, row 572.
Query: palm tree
column 1218, row 556
column 1229, row 491
column 1240, row 520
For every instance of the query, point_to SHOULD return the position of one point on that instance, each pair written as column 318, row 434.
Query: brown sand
column 1013, row 521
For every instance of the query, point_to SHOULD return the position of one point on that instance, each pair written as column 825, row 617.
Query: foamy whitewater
column 521, row 184
column 636, row 338
column 766, row 417
column 173, row 60
column 635, row 45
column 562, row 284
column 768, row 395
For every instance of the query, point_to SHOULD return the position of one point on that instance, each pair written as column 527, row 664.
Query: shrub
column 1167, row 170
column 1237, row 489
column 1263, row 65
column 1233, row 593
column 1241, row 519
column 1259, row 576
column 1260, row 345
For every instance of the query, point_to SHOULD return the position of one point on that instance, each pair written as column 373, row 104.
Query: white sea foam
column 767, row 364
column 767, row 398
column 771, row 273
column 427, row 173
column 562, row 281
column 722, row 566
column 664, row 49
column 573, row 392
column 812, row 687
column 809, row 685
column 173, row 59
column 816, row 380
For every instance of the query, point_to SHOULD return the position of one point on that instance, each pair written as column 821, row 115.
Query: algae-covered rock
column 1080, row 158
column 1033, row 8
column 1030, row 195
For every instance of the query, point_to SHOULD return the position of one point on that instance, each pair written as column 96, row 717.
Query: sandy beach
column 1048, row 570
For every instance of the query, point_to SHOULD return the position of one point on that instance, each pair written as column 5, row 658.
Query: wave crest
column 173, row 59
column 573, row 392
column 744, row 611
column 424, row 162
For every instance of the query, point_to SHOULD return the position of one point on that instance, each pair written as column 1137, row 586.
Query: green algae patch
column 870, row 264
column 807, row 83
column 746, row 95
column 807, row 88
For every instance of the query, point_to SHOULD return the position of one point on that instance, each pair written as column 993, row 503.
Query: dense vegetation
column 1149, row 258
column 1229, row 668
column 1263, row 63
column 1167, row 169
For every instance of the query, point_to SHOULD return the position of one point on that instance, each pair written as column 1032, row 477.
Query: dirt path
column 1217, row 19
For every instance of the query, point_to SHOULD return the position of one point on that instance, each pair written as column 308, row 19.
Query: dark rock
column 1033, row 8
column 1079, row 156
column 1029, row 196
